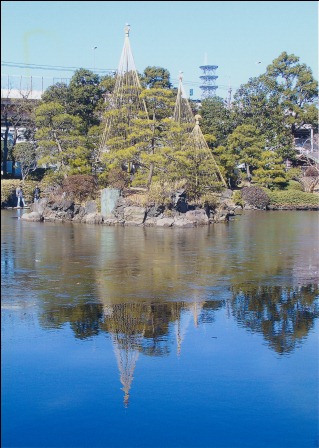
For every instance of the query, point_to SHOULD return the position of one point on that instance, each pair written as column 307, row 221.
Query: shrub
column 209, row 200
column 237, row 198
column 293, row 199
column 160, row 193
column 117, row 178
column 255, row 196
column 80, row 187
column 293, row 173
column 294, row 185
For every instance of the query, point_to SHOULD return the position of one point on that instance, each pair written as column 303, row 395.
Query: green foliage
column 209, row 200
column 58, row 136
column 156, row 77
column 85, row 92
column 25, row 154
column 293, row 173
column 271, row 171
column 107, row 84
column 52, row 180
column 217, row 120
column 128, row 136
column 160, row 193
column 80, row 187
column 246, row 145
column 294, row 185
column 238, row 199
column 149, row 146
column 38, row 174
column 279, row 102
column 293, row 199
column 255, row 196
column 58, row 93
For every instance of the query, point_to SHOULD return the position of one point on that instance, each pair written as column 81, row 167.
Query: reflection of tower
column 208, row 78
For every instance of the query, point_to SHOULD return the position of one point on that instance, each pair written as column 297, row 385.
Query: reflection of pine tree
column 157, row 332
column 283, row 315
column 85, row 319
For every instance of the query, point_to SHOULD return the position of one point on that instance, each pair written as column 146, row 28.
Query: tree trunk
column 248, row 173
column 150, row 175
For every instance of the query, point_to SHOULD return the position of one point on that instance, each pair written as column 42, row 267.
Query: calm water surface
column 132, row 337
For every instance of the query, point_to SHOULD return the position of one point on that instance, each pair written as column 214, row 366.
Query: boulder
column 165, row 222
column 93, row 218
column 134, row 215
column 33, row 216
column 198, row 217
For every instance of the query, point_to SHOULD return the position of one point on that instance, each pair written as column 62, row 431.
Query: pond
column 152, row 337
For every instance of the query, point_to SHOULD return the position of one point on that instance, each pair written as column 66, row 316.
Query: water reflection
column 284, row 316
column 145, row 288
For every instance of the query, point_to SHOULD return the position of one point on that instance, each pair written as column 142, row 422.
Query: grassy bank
column 293, row 199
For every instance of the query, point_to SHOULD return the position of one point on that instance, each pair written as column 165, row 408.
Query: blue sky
column 240, row 37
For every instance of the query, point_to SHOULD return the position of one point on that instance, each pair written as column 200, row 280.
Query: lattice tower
column 208, row 78
column 125, row 97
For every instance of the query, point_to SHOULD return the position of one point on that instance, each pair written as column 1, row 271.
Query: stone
column 165, row 222
column 33, row 216
column 134, row 215
column 109, row 198
column 199, row 217
column 92, row 218
column 184, row 223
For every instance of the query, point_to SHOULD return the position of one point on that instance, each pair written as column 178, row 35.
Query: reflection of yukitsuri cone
column 196, row 309
column 126, row 92
column 182, row 112
column 126, row 357
column 107, row 310
column 181, row 326
column 127, row 330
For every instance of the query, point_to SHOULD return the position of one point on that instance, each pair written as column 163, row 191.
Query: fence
column 15, row 86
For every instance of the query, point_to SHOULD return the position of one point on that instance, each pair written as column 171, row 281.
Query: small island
column 131, row 149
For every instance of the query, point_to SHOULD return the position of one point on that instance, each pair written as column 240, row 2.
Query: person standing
column 36, row 194
column 20, row 198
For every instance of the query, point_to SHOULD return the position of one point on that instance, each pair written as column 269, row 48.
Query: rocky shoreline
column 124, row 214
